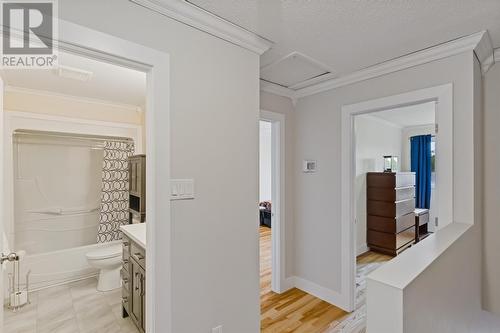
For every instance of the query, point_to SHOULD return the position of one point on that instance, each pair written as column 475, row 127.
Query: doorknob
column 9, row 257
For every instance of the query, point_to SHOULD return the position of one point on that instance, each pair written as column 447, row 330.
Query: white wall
column 214, row 133
column 431, row 281
column 491, row 231
column 265, row 161
column 374, row 139
column 318, row 136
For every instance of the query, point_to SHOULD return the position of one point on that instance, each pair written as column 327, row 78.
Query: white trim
column 362, row 249
column 484, row 52
column 97, row 101
column 325, row 294
column 278, row 235
column 90, row 43
column 276, row 89
column 496, row 53
column 444, row 117
column 437, row 52
column 479, row 42
column 201, row 19
column 321, row 65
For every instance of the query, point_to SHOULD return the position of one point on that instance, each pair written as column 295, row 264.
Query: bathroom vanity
column 133, row 274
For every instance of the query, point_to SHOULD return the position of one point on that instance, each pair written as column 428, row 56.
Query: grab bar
column 60, row 211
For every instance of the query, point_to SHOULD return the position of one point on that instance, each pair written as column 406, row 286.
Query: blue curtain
column 421, row 165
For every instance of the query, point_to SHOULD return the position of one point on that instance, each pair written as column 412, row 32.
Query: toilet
column 108, row 260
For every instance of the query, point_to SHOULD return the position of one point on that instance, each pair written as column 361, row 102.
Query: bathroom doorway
column 71, row 137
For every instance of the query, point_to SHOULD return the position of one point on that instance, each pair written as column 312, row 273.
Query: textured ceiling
column 349, row 35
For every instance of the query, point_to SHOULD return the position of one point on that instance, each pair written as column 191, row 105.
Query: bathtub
column 57, row 267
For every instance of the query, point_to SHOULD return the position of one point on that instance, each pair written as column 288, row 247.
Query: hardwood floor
column 296, row 311
column 369, row 257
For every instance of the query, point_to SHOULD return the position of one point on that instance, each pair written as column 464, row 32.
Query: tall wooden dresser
column 390, row 204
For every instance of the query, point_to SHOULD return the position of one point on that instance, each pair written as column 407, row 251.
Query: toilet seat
column 106, row 252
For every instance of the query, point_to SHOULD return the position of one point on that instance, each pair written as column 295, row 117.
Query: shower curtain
column 114, row 194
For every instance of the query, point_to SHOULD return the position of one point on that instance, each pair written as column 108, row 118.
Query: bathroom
column 74, row 189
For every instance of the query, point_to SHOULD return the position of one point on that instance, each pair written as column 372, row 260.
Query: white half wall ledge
column 403, row 269
column 479, row 43
column 198, row 18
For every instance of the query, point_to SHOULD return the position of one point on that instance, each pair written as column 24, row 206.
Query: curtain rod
column 73, row 136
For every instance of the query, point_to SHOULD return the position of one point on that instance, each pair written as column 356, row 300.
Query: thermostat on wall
column 309, row 166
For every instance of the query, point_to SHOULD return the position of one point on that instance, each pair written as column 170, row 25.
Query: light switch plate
column 181, row 189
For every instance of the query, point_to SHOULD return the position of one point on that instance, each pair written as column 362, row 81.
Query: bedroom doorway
column 441, row 98
column 271, row 190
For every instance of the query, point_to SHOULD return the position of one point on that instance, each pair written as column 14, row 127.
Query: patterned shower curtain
column 114, row 194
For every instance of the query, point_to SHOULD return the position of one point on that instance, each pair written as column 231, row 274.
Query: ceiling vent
column 295, row 71
column 74, row 73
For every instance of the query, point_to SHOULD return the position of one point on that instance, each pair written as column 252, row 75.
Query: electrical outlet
column 217, row 329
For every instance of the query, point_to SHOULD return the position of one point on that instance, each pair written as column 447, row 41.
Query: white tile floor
column 73, row 308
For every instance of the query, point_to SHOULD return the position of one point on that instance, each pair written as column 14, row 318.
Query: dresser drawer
column 423, row 219
column 405, row 179
column 390, row 180
column 391, row 225
column 390, row 209
column 390, row 241
column 390, row 194
column 405, row 237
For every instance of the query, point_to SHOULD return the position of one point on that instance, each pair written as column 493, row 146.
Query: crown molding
column 496, row 54
column 451, row 48
column 276, row 89
column 484, row 52
column 89, row 100
column 196, row 17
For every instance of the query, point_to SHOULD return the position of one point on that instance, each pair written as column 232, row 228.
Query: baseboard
column 288, row 284
column 362, row 249
column 325, row 294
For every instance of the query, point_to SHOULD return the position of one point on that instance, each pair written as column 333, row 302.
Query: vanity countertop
column 136, row 232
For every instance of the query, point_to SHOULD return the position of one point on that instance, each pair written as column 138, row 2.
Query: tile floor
column 72, row 308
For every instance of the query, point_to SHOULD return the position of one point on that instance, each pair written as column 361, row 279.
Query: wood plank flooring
column 296, row 311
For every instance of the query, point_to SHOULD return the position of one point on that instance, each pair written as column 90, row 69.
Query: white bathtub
column 57, row 267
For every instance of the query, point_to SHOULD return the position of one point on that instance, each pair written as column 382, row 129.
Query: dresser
column 390, row 205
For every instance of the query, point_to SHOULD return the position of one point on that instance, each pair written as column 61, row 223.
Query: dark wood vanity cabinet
column 390, row 208
column 134, row 283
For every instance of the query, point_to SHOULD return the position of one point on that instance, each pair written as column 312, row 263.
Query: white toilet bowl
column 108, row 259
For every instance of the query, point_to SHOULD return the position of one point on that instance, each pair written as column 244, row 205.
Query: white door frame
column 278, row 248
column 443, row 96
column 103, row 47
